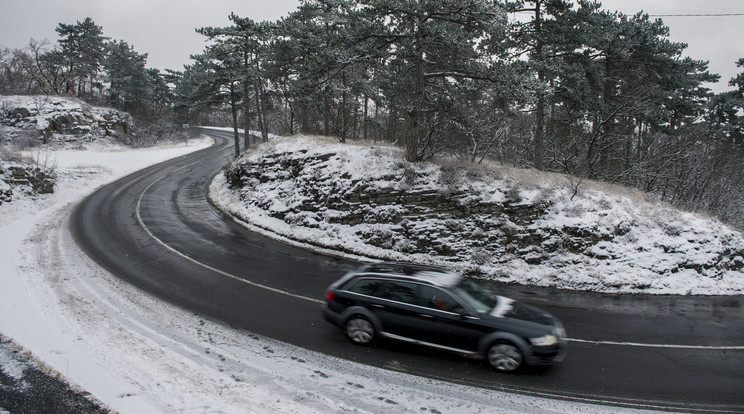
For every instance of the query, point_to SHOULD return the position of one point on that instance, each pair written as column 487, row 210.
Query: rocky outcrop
column 415, row 219
column 27, row 121
column 511, row 225
column 42, row 182
column 44, row 119
column 396, row 210
column 28, row 179
column 109, row 123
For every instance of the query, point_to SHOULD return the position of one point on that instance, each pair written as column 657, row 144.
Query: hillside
column 515, row 226
column 30, row 120
column 35, row 125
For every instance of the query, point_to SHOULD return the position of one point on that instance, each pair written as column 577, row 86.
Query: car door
column 397, row 308
column 445, row 321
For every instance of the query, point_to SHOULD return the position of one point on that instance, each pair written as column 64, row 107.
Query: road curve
column 156, row 230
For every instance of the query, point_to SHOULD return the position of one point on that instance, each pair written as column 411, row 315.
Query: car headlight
column 546, row 340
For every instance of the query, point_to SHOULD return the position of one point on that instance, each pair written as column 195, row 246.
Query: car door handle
column 374, row 305
column 425, row 315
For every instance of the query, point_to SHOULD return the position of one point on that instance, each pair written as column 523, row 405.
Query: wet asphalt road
column 157, row 230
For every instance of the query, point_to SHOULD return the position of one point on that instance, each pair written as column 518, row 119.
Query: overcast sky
column 164, row 29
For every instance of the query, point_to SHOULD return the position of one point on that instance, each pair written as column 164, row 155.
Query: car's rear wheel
column 360, row 330
column 505, row 357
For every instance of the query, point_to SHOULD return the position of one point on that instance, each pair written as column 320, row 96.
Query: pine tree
column 161, row 95
column 194, row 91
column 83, row 48
column 438, row 46
column 315, row 62
column 127, row 77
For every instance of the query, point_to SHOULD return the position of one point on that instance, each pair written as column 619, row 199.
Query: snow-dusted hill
column 490, row 221
column 30, row 120
column 37, row 125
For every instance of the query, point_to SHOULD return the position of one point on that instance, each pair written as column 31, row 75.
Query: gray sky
column 716, row 39
column 164, row 29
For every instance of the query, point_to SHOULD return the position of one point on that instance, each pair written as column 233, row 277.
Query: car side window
column 365, row 286
column 435, row 298
column 400, row 292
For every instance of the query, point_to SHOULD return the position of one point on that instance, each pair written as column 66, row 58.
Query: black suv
column 437, row 308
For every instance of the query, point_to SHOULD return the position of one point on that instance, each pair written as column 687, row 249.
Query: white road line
column 206, row 266
column 668, row 346
column 318, row 301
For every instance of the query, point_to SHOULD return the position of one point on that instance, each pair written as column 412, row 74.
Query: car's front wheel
column 505, row 357
column 360, row 330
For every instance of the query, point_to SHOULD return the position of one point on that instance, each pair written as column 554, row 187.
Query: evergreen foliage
column 564, row 86
column 81, row 51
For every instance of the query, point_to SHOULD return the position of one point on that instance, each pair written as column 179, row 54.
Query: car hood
column 510, row 308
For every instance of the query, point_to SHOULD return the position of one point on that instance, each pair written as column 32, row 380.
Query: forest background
column 570, row 88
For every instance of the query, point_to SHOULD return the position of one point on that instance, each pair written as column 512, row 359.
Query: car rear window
column 364, row 286
column 392, row 290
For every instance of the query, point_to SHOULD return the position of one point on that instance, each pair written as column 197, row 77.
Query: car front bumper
column 547, row 355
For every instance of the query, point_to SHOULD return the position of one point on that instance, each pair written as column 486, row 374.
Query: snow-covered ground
column 138, row 354
column 603, row 238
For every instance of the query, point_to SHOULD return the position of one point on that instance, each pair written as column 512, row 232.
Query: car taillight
column 329, row 296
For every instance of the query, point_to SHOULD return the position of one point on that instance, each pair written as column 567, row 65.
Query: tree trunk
column 539, row 131
column 304, row 118
column 364, row 118
column 344, row 118
column 260, row 115
column 247, row 120
column 540, row 109
column 392, row 130
column 246, row 102
column 327, row 113
column 234, row 108
column 608, row 131
column 414, row 115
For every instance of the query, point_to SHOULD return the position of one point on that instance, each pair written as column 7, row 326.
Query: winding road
column 157, row 230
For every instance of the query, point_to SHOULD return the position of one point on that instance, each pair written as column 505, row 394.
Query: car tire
column 505, row 357
column 360, row 330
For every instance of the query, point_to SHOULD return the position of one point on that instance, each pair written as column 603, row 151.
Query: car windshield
column 481, row 299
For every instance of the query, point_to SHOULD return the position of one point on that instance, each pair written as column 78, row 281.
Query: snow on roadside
column 137, row 354
column 29, row 303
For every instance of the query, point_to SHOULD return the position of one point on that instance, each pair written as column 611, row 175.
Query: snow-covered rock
column 505, row 224
column 26, row 178
column 29, row 120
